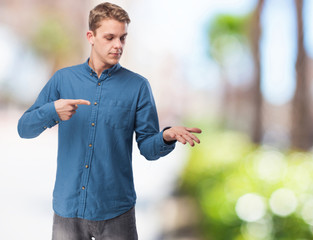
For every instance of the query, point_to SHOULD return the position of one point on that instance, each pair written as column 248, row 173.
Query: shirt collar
column 105, row 72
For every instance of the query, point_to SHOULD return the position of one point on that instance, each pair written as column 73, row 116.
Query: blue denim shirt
column 94, row 168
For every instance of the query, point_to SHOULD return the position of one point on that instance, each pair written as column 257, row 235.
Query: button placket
column 89, row 152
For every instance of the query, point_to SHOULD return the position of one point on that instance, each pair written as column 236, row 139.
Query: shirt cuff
column 51, row 115
column 165, row 148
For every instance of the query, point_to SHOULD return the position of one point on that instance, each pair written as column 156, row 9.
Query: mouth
column 116, row 54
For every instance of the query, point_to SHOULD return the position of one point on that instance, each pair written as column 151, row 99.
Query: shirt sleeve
column 148, row 136
column 42, row 114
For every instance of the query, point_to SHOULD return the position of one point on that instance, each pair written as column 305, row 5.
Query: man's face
column 109, row 41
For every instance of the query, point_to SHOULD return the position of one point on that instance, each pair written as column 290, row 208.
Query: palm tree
column 227, row 34
column 301, row 132
column 56, row 41
column 257, row 129
column 224, row 30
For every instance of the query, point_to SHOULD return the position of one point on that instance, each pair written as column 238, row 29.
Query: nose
column 118, row 44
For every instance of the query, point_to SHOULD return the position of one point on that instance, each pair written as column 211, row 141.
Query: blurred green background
column 239, row 69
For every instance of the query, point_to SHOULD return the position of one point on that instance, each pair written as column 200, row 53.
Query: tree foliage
column 227, row 169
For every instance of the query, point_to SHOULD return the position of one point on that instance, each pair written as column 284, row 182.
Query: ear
column 90, row 37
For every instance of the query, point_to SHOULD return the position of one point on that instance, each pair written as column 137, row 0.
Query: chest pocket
column 117, row 114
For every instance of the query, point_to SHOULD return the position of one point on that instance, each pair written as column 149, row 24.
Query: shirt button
column 95, row 103
column 92, row 124
column 86, row 166
column 45, row 127
column 56, row 122
column 90, row 145
column 83, row 187
column 91, row 74
column 99, row 84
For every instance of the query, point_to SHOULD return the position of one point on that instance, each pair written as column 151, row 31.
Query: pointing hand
column 66, row 108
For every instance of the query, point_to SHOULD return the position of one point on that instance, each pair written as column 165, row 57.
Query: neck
column 97, row 65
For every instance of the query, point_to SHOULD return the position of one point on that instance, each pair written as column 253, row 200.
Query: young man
column 98, row 106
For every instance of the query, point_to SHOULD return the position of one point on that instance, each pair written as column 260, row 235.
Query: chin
column 114, row 62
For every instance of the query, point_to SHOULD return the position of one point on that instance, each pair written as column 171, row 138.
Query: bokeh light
column 283, row 202
column 307, row 211
column 260, row 229
column 271, row 165
column 250, row 207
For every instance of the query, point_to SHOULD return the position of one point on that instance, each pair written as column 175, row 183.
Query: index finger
column 79, row 102
column 194, row 130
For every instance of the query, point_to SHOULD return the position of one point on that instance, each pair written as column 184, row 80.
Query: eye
column 123, row 38
column 109, row 38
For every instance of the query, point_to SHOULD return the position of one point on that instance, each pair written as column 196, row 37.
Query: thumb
column 194, row 130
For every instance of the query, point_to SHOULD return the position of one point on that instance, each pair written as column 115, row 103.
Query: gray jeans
column 122, row 227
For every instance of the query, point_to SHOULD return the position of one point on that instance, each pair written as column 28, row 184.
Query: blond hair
column 106, row 10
